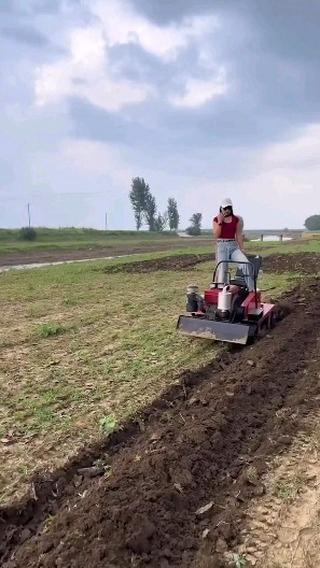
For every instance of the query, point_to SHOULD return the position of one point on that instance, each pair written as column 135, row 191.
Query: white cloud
column 289, row 172
column 199, row 91
column 302, row 150
column 285, row 189
column 123, row 25
column 86, row 71
column 98, row 159
column 277, row 187
column 87, row 49
column 113, row 95
column 52, row 83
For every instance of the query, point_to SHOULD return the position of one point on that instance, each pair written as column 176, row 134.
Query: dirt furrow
column 206, row 445
column 305, row 263
column 281, row 527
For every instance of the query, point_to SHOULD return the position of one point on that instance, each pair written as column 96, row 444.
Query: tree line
column 146, row 212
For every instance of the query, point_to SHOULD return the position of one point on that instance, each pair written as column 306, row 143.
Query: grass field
column 82, row 350
column 79, row 239
column 72, row 239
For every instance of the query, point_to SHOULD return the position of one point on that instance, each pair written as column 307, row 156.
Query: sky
column 204, row 99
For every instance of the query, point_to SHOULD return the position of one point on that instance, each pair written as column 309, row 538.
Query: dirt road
column 173, row 489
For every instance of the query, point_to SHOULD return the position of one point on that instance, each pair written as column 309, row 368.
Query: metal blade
column 214, row 330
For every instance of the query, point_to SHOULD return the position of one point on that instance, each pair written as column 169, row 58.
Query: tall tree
column 161, row 221
column 173, row 214
column 150, row 210
column 195, row 227
column 138, row 197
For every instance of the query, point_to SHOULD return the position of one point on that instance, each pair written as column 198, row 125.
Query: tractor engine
column 195, row 302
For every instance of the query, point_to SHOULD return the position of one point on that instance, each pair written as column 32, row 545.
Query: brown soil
column 300, row 263
column 30, row 257
column 184, row 262
column 282, row 526
column 205, row 443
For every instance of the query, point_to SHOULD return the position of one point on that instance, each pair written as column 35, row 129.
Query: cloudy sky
column 203, row 98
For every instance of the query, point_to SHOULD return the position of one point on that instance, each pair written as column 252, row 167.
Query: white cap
column 226, row 203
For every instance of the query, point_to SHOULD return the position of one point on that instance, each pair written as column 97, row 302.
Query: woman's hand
column 239, row 235
column 220, row 218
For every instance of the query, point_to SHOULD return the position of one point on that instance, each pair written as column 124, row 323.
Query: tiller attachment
column 214, row 330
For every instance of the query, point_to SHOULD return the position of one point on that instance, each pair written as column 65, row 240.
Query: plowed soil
column 301, row 263
column 305, row 263
column 184, row 262
column 174, row 491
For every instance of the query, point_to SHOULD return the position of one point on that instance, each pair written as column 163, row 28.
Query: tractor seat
column 256, row 262
column 239, row 279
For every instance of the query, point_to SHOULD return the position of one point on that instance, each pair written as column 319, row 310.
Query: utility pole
column 106, row 221
column 29, row 215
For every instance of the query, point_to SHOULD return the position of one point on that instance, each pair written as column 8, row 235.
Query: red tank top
column 228, row 230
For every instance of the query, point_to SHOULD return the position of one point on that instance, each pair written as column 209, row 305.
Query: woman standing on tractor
column 227, row 229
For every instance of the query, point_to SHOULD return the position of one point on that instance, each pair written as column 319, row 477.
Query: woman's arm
column 217, row 226
column 239, row 234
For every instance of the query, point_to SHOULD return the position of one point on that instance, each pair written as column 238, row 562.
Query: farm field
column 107, row 411
column 65, row 244
column 72, row 244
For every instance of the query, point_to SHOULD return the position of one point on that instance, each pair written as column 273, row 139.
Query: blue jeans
column 229, row 250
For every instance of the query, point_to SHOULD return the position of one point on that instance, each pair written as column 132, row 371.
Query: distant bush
column 195, row 227
column 27, row 234
column 193, row 231
column 313, row 223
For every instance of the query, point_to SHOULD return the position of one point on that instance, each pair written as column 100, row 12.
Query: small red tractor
column 229, row 311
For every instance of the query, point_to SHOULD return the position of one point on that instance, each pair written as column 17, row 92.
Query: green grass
column 74, row 239
column 108, row 424
column 49, row 329
column 312, row 245
column 287, row 490
column 239, row 561
column 83, row 351
column 63, row 234
column 80, row 239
